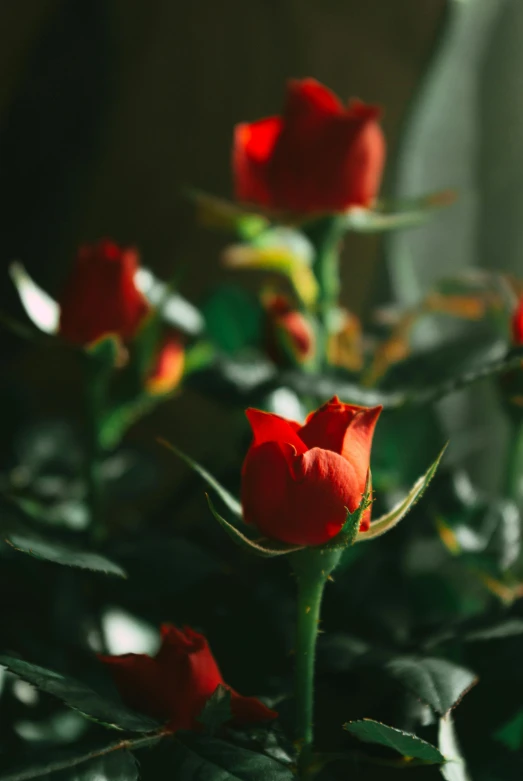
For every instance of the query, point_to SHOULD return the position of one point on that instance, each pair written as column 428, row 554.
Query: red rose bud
column 100, row 296
column 299, row 481
column 319, row 156
column 517, row 324
column 168, row 370
column 174, row 685
column 288, row 332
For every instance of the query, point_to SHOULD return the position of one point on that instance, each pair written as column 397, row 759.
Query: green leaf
column 113, row 761
column 261, row 547
column 80, row 697
column 392, row 518
column 119, row 766
column 226, row 497
column 406, row 214
column 437, row 682
column 466, row 350
column 511, row 733
column 174, row 308
column 404, row 743
column 509, row 628
column 209, row 759
column 234, row 319
column 242, row 383
column 217, row 709
column 474, row 632
column 25, row 541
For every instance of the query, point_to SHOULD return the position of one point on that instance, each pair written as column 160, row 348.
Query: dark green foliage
column 403, row 742
column 80, row 697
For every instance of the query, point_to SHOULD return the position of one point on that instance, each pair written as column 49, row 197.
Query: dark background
column 109, row 107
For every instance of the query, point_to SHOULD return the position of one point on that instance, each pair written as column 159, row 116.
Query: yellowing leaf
column 283, row 251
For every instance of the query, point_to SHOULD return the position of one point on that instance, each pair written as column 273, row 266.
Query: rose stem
column 326, row 234
column 312, row 568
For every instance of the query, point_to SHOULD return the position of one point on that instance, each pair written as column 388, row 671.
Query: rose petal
column 140, row 684
column 249, row 710
column 299, row 499
column 327, row 426
column 252, row 149
column 307, row 98
column 268, row 427
column 100, row 296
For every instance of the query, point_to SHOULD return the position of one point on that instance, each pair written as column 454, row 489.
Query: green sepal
column 217, row 709
column 388, row 521
column 106, row 351
column 349, row 532
column 261, row 547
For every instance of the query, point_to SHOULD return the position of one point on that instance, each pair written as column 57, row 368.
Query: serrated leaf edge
column 347, row 725
column 391, row 519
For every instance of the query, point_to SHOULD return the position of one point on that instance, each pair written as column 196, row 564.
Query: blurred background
column 109, row 108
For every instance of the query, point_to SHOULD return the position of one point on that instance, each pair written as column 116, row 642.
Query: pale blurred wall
column 108, row 106
column 465, row 132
